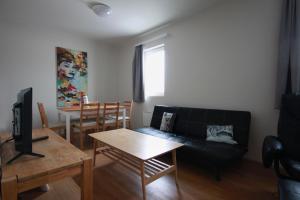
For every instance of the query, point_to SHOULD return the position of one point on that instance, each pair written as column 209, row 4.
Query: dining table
column 74, row 112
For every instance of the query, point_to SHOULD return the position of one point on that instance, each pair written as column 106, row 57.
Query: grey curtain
column 288, row 73
column 137, row 75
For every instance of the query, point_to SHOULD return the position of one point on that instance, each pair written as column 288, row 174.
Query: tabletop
column 59, row 154
column 141, row 146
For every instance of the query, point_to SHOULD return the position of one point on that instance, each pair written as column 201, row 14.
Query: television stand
column 40, row 138
column 23, row 153
column 29, row 153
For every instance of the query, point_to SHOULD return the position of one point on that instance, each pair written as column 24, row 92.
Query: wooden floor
column 248, row 180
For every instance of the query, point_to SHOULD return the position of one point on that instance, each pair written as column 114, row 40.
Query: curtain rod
column 153, row 39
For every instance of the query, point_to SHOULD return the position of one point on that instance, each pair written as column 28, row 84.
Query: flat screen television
column 22, row 129
column 22, row 125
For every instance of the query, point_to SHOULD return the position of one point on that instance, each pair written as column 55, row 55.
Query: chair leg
column 129, row 125
column 71, row 134
column 94, row 152
column 81, row 140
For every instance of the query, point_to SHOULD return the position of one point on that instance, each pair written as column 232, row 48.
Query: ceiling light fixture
column 101, row 9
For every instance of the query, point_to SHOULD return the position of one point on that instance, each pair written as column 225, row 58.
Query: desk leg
column 124, row 118
column 87, row 180
column 68, row 119
column 9, row 189
column 143, row 179
column 175, row 164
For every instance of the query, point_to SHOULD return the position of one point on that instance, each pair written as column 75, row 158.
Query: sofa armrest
column 272, row 150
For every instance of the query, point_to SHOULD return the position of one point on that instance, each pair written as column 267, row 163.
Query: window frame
column 154, row 49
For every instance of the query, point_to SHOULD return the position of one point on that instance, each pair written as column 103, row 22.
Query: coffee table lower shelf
column 149, row 170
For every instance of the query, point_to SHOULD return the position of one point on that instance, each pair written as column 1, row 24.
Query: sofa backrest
column 192, row 122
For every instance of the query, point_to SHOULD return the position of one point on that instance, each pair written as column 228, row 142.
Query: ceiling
column 128, row 18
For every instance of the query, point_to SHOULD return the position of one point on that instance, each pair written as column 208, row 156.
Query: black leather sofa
column 190, row 129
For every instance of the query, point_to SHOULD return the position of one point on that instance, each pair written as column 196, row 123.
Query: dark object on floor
column 284, row 149
column 190, row 129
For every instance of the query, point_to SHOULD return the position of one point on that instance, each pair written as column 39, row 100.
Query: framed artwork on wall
column 72, row 76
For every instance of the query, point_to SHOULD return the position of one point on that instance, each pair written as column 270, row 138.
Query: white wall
column 223, row 58
column 28, row 59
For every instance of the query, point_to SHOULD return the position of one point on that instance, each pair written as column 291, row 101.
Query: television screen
column 17, row 120
column 22, row 112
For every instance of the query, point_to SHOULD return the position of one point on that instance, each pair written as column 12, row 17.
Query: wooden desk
column 138, row 152
column 61, row 160
column 74, row 111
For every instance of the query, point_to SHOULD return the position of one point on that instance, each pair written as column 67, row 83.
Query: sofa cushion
column 216, row 153
column 167, row 122
column 181, row 122
column 161, row 134
column 155, row 132
column 158, row 114
column 218, row 133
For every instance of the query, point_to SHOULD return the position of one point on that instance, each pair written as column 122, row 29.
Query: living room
column 219, row 62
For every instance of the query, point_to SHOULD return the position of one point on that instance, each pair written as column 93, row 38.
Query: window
column 154, row 71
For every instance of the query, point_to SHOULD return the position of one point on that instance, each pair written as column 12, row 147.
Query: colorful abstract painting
column 72, row 76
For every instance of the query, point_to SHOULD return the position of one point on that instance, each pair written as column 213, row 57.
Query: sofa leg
column 218, row 174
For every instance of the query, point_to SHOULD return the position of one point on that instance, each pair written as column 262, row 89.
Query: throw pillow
column 167, row 122
column 219, row 133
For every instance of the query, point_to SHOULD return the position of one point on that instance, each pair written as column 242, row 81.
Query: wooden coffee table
column 138, row 152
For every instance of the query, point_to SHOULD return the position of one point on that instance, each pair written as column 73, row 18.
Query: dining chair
column 128, row 107
column 44, row 119
column 89, row 120
column 108, row 119
column 110, row 116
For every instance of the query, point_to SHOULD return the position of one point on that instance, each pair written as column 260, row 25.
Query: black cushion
column 289, row 189
column 182, row 118
column 214, row 152
column 161, row 134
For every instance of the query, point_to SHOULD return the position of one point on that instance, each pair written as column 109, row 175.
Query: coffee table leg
column 143, row 179
column 175, row 164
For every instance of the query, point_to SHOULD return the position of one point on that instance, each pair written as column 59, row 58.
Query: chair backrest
column 289, row 125
column 271, row 150
column 43, row 115
column 111, row 110
column 128, row 107
column 89, row 111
